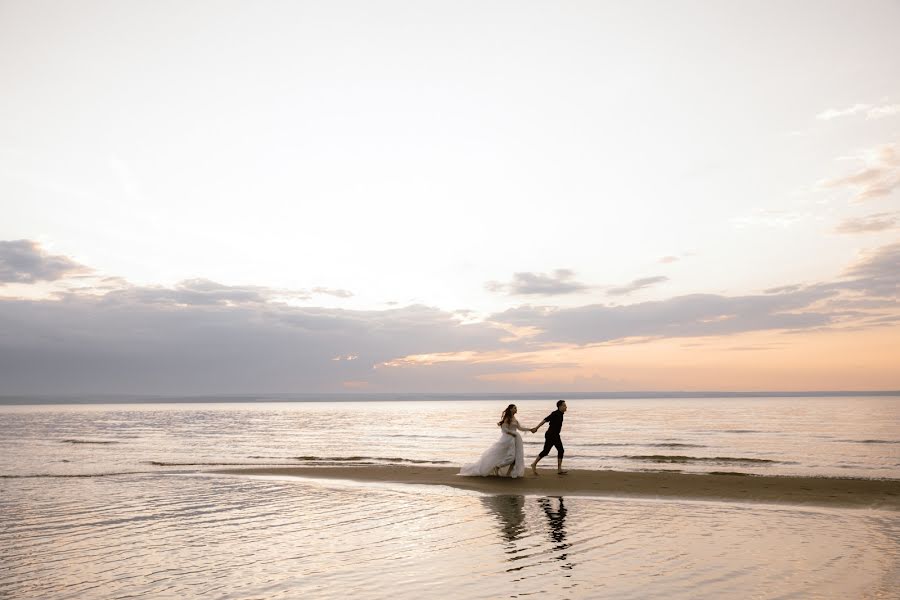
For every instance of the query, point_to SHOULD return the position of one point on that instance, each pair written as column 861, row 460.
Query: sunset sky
column 238, row 197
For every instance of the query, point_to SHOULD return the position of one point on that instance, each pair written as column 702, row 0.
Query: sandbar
column 818, row 491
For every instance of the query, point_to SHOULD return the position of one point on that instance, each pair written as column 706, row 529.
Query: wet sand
column 818, row 491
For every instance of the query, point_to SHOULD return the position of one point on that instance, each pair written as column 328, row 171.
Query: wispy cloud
column 637, row 284
column 557, row 283
column 871, row 112
column 871, row 223
column 24, row 261
column 887, row 110
column 880, row 176
column 781, row 219
column 834, row 113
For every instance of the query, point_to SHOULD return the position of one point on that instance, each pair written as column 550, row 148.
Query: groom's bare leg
column 560, row 452
column 548, row 444
column 559, row 468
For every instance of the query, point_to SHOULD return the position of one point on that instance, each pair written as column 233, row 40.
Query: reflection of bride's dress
column 508, row 450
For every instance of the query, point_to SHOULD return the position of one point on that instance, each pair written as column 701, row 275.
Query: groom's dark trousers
column 549, row 442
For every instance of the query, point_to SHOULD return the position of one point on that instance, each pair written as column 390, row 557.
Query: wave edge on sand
column 821, row 491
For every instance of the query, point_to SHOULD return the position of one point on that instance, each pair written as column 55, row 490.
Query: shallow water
column 843, row 437
column 172, row 529
column 230, row 537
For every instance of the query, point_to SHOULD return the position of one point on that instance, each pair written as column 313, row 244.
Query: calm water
column 109, row 501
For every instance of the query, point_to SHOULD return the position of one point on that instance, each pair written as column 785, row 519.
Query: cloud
column 198, row 292
column 877, row 272
column 524, row 284
column 337, row 293
column 887, row 110
column 844, row 303
column 880, row 177
column 789, row 307
column 187, row 292
column 872, row 112
column 24, row 261
column 683, row 316
column 194, row 292
column 867, row 224
column 637, row 284
column 783, row 288
column 834, row 113
column 771, row 218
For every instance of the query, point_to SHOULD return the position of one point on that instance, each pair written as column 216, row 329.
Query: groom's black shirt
column 554, row 421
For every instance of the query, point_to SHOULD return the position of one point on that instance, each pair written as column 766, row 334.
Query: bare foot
column 561, row 472
column 534, row 469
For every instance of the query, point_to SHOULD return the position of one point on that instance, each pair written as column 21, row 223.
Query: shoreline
column 817, row 491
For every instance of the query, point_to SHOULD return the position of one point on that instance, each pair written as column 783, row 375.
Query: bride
column 506, row 452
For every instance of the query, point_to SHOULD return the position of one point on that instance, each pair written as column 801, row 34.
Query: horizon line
column 137, row 398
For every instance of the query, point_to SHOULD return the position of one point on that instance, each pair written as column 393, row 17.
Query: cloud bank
column 201, row 336
column 876, row 275
column 683, row 316
column 146, row 341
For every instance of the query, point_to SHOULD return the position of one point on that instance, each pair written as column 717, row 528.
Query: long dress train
column 508, row 450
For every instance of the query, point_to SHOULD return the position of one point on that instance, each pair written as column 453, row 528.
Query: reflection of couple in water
column 506, row 457
column 510, row 512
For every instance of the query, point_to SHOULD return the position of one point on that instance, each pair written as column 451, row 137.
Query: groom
column 551, row 438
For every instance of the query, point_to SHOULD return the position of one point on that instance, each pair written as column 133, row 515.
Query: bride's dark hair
column 507, row 415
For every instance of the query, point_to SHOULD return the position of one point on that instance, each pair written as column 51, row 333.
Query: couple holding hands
column 508, row 451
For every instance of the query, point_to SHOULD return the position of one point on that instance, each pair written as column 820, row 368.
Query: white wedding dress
column 508, row 450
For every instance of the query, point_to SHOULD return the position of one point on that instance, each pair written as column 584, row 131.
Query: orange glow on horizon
column 843, row 359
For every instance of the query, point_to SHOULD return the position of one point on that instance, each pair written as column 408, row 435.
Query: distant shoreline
column 46, row 399
column 817, row 491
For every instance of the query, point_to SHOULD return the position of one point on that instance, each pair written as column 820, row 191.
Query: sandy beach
column 817, row 491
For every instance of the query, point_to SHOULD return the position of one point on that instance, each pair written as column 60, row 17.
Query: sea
column 112, row 500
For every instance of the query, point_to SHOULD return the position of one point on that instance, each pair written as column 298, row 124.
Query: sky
column 237, row 197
